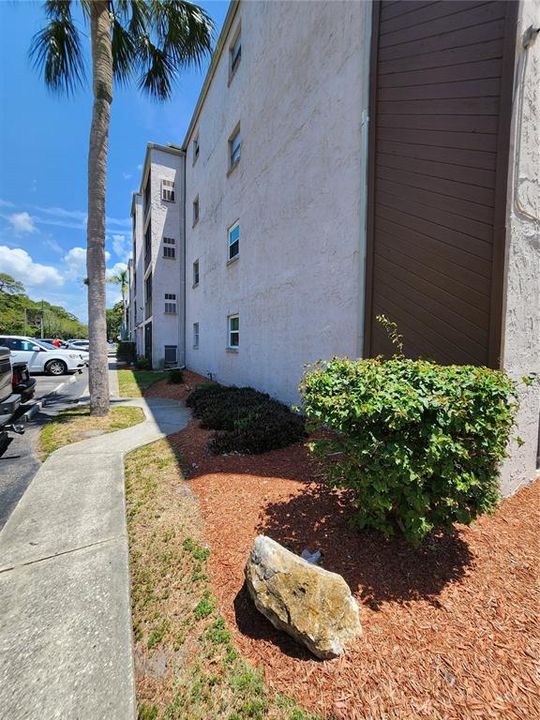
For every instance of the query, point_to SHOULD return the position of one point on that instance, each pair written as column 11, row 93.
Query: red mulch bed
column 449, row 632
column 176, row 391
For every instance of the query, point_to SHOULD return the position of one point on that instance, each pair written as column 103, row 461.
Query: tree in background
column 21, row 316
column 153, row 40
column 115, row 318
column 9, row 285
column 121, row 278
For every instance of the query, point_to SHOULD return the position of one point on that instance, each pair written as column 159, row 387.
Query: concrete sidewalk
column 65, row 625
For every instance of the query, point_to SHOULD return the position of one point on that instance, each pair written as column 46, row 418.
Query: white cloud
column 116, row 268
column 121, row 246
column 53, row 245
column 22, row 222
column 127, row 176
column 19, row 264
column 60, row 217
column 139, row 166
column 119, row 223
column 75, row 260
column 6, row 203
column 76, row 219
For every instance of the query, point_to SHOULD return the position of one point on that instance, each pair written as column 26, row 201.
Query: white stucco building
column 156, row 308
column 372, row 158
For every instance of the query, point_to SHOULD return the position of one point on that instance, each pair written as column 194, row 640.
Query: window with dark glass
column 235, row 55
column 167, row 190
column 234, row 240
column 234, row 331
column 169, row 248
column 235, row 144
column 170, row 303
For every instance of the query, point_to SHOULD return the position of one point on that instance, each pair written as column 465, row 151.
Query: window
column 195, row 335
column 195, row 273
column 196, row 211
column 234, row 240
column 148, row 245
column 169, row 249
column 235, row 55
column 196, row 149
column 235, row 143
column 170, row 303
column 167, row 190
column 147, row 189
column 170, row 355
column 233, row 322
column 18, row 345
column 148, row 297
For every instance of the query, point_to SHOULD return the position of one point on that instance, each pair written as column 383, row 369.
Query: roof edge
column 216, row 57
column 171, row 149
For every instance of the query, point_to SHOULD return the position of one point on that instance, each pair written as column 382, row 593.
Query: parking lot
column 20, row 462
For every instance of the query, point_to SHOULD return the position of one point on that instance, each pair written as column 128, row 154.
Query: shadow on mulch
column 253, row 624
column 377, row 570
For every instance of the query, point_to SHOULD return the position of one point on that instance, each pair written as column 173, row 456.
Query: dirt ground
column 450, row 631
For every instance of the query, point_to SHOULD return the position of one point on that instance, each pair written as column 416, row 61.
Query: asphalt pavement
column 20, row 462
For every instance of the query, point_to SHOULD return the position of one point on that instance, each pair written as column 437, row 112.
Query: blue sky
column 43, row 162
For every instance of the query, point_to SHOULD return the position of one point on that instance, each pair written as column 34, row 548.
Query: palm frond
column 124, row 51
column 186, row 32
column 178, row 34
column 158, row 74
column 56, row 51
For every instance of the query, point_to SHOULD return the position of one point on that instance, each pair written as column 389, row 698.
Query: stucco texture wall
column 521, row 354
column 167, row 273
column 138, row 269
column 298, row 193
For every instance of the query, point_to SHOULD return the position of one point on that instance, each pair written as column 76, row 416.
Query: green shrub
column 141, row 363
column 246, row 420
column 126, row 351
column 176, row 376
column 418, row 444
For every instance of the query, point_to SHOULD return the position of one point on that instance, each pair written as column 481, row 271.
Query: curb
column 38, row 405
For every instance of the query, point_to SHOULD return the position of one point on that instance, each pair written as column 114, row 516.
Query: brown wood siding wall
column 440, row 119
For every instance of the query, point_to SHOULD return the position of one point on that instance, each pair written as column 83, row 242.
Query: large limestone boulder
column 309, row 603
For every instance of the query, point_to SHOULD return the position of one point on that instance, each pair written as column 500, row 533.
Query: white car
column 42, row 357
column 81, row 344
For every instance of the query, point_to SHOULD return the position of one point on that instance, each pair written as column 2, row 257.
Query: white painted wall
column 522, row 320
column 136, row 293
column 167, row 274
column 298, row 191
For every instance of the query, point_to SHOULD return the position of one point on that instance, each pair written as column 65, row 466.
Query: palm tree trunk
column 97, row 181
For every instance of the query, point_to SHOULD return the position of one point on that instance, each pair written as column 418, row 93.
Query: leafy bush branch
column 418, row 444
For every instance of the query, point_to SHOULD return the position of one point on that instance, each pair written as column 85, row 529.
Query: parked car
column 68, row 346
column 81, row 344
column 42, row 357
column 9, row 401
column 63, row 344
column 21, row 382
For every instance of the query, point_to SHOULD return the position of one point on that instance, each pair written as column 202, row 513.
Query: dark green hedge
column 419, row 444
column 126, row 351
column 245, row 420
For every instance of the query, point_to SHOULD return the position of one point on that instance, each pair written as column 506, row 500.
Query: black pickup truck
column 16, row 387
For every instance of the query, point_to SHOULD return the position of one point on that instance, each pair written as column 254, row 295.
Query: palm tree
column 121, row 278
column 152, row 41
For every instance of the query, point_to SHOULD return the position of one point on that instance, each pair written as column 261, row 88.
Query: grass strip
column 76, row 424
column 187, row 667
column 132, row 383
